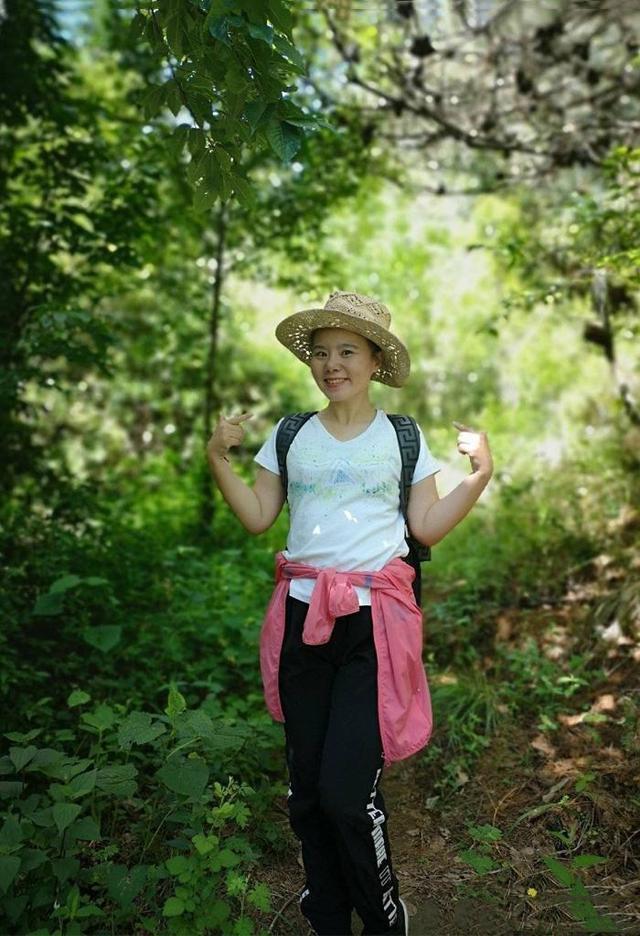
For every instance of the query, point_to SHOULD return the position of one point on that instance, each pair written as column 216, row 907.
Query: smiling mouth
column 335, row 381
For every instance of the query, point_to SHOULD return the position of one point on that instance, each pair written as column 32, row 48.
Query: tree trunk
column 211, row 388
column 605, row 338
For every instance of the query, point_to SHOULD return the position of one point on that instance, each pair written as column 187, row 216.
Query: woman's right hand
column 228, row 432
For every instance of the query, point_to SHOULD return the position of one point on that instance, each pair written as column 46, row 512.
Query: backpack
column 409, row 443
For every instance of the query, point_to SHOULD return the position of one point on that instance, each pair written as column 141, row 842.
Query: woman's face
column 342, row 362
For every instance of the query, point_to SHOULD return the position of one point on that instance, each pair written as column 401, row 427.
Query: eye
column 347, row 351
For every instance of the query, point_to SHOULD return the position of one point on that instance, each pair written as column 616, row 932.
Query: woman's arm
column 256, row 508
column 431, row 518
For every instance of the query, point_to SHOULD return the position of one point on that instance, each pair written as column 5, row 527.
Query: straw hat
column 356, row 313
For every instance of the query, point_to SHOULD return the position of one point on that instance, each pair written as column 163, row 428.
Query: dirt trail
column 523, row 784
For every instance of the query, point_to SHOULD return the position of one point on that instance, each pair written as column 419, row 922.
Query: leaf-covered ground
column 543, row 834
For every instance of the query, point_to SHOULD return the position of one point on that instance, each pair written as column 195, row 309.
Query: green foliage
column 140, row 769
column 537, row 685
column 556, row 240
column 229, row 64
column 580, row 903
column 59, row 830
column 147, row 612
column 78, row 203
column 469, row 708
column 486, row 856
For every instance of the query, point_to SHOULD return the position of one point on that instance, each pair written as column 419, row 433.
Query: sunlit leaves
column 229, row 70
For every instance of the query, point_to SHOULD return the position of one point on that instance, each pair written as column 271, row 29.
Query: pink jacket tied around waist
column 404, row 703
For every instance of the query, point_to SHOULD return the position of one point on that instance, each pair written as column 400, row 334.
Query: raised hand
column 228, row 432
column 475, row 444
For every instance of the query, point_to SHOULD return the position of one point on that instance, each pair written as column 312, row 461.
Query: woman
column 341, row 644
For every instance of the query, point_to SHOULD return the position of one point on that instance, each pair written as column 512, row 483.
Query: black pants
column 334, row 755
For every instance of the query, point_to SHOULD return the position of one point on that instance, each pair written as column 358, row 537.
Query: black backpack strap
column 287, row 431
column 409, row 442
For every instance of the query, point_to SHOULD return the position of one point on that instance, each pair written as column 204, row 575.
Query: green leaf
column 177, row 864
column 561, row 872
column 223, row 159
column 243, row 927
column 83, row 222
column 583, row 781
column 253, row 111
column 586, row 861
column 173, row 907
column 89, row 910
column 102, row 718
column 284, row 138
column 176, row 33
column 236, row 884
column 260, row 31
column 152, row 101
column 117, row 779
column 65, row 583
column 222, row 7
column 244, row 192
column 104, row 637
column 204, row 198
column 32, row 858
column 139, row 728
column 260, row 897
column 124, row 884
column 187, row 777
column 20, row 757
column 280, row 14
column 289, row 51
column 21, row 737
column 600, row 924
column 480, row 863
column 64, row 814
column 82, row 784
column 218, row 27
column 62, row 768
column 43, row 818
column 307, row 123
column 48, row 605
column 9, row 867
column 175, row 703
column 226, row 858
column 85, row 829
column 205, row 843
column 78, row 697
column 65, row 869
column 485, row 833
column 11, row 833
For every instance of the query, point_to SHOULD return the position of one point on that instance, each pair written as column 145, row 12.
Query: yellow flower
column 532, row 892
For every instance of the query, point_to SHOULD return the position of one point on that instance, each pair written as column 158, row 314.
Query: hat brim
column 294, row 333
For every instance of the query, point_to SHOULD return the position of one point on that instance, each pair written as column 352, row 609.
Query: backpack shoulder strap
column 287, row 431
column 409, row 442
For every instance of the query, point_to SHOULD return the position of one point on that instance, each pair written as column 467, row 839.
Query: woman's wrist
column 217, row 458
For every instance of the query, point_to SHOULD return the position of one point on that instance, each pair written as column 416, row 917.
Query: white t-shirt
column 343, row 497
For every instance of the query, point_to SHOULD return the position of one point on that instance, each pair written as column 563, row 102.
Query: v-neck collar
column 346, row 441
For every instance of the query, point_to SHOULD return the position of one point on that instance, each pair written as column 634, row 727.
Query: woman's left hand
column 476, row 445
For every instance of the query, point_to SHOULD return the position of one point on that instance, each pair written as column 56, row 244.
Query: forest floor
column 532, row 794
